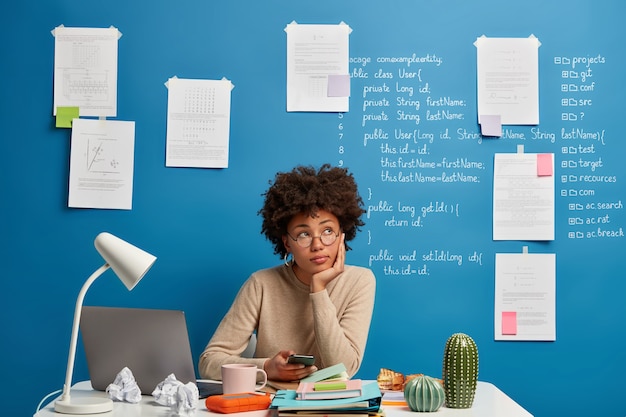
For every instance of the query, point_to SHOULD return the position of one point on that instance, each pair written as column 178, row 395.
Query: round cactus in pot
column 424, row 394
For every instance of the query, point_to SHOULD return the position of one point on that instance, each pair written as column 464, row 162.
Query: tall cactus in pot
column 460, row 371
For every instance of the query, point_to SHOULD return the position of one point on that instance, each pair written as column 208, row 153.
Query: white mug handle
column 264, row 379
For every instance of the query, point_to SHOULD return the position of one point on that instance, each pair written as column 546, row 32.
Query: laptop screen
column 151, row 343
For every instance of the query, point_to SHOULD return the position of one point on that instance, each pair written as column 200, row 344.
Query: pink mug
column 241, row 377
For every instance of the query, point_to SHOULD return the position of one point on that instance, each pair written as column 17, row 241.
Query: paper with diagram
column 198, row 123
column 102, row 164
column 85, row 70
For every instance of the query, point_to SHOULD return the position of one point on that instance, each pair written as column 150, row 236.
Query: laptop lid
column 151, row 343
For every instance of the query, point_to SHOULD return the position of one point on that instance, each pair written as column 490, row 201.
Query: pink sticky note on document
column 509, row 322
column 544, row 164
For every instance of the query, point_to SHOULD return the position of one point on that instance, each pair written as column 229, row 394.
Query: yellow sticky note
column 65, row 115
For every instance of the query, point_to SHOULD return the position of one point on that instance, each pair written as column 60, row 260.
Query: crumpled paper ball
column 181, row 398
column 124, row 387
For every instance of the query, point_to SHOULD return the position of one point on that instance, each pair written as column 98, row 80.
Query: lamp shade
column 128, row 262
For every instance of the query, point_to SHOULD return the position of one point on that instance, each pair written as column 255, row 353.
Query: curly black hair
column 305, row 190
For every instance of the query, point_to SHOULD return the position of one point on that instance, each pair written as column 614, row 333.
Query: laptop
column 152, row 343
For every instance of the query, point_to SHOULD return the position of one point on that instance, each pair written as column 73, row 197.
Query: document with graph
column 85, row 70
column 101, row 164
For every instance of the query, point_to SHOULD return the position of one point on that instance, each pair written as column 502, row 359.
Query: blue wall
column 202, row 223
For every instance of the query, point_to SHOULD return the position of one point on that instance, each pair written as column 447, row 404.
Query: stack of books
column 336, row 372
column 328, row 392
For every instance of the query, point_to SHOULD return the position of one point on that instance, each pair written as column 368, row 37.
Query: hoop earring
column 287, row 261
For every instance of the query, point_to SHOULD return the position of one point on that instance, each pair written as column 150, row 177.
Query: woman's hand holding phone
column 307, row 360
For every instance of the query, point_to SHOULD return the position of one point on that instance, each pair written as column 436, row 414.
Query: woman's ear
column 286, row 243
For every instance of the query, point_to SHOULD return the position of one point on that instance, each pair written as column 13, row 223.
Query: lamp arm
column 65, row 397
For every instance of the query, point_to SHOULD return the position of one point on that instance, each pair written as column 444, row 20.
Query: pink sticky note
column 490, row 125
column 338, row 85
column 509, row 322
column 544, row 164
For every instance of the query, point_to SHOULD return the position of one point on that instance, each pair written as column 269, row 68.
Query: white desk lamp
column 130, row 264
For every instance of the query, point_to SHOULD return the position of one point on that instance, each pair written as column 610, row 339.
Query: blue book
column 333, row 372
column 368, row 401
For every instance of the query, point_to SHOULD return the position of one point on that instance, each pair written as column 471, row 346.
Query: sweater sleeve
column 342, row 324
column 233, row 334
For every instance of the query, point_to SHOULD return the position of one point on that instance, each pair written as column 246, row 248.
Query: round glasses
column 304, row 239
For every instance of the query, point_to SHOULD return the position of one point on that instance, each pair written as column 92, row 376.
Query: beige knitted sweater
column 332, row 325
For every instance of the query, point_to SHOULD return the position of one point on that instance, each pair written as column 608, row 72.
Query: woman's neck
column 300, row 274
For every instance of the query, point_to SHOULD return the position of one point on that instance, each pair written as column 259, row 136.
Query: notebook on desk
column 151, row 343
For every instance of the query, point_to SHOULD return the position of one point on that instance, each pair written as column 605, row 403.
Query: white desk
column 489, row 402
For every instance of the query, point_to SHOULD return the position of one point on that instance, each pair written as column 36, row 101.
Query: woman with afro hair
column 312, row 303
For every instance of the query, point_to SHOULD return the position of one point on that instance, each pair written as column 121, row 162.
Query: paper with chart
column 198, row 123
column 508, row 79
column 523, row 196
column 101, row 164
column 525, row 291
column 317, row 68
column 85, row 70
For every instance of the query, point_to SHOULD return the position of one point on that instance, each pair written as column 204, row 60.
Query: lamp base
column 83, row 406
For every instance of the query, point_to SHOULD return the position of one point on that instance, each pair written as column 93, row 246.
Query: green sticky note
column 65, row 115
column 329, row 386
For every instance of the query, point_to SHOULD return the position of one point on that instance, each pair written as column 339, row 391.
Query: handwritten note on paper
column 315, row 53
column 198, row 123
column 85, row 70
column 102, row 164
column 508, row 79
column 525, row 292
column 523, row 202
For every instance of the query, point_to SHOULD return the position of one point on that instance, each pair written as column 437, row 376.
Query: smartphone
column 307, row 360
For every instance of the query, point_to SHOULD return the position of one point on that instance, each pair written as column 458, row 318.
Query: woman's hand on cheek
column 278, row 369
column 321, row 279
